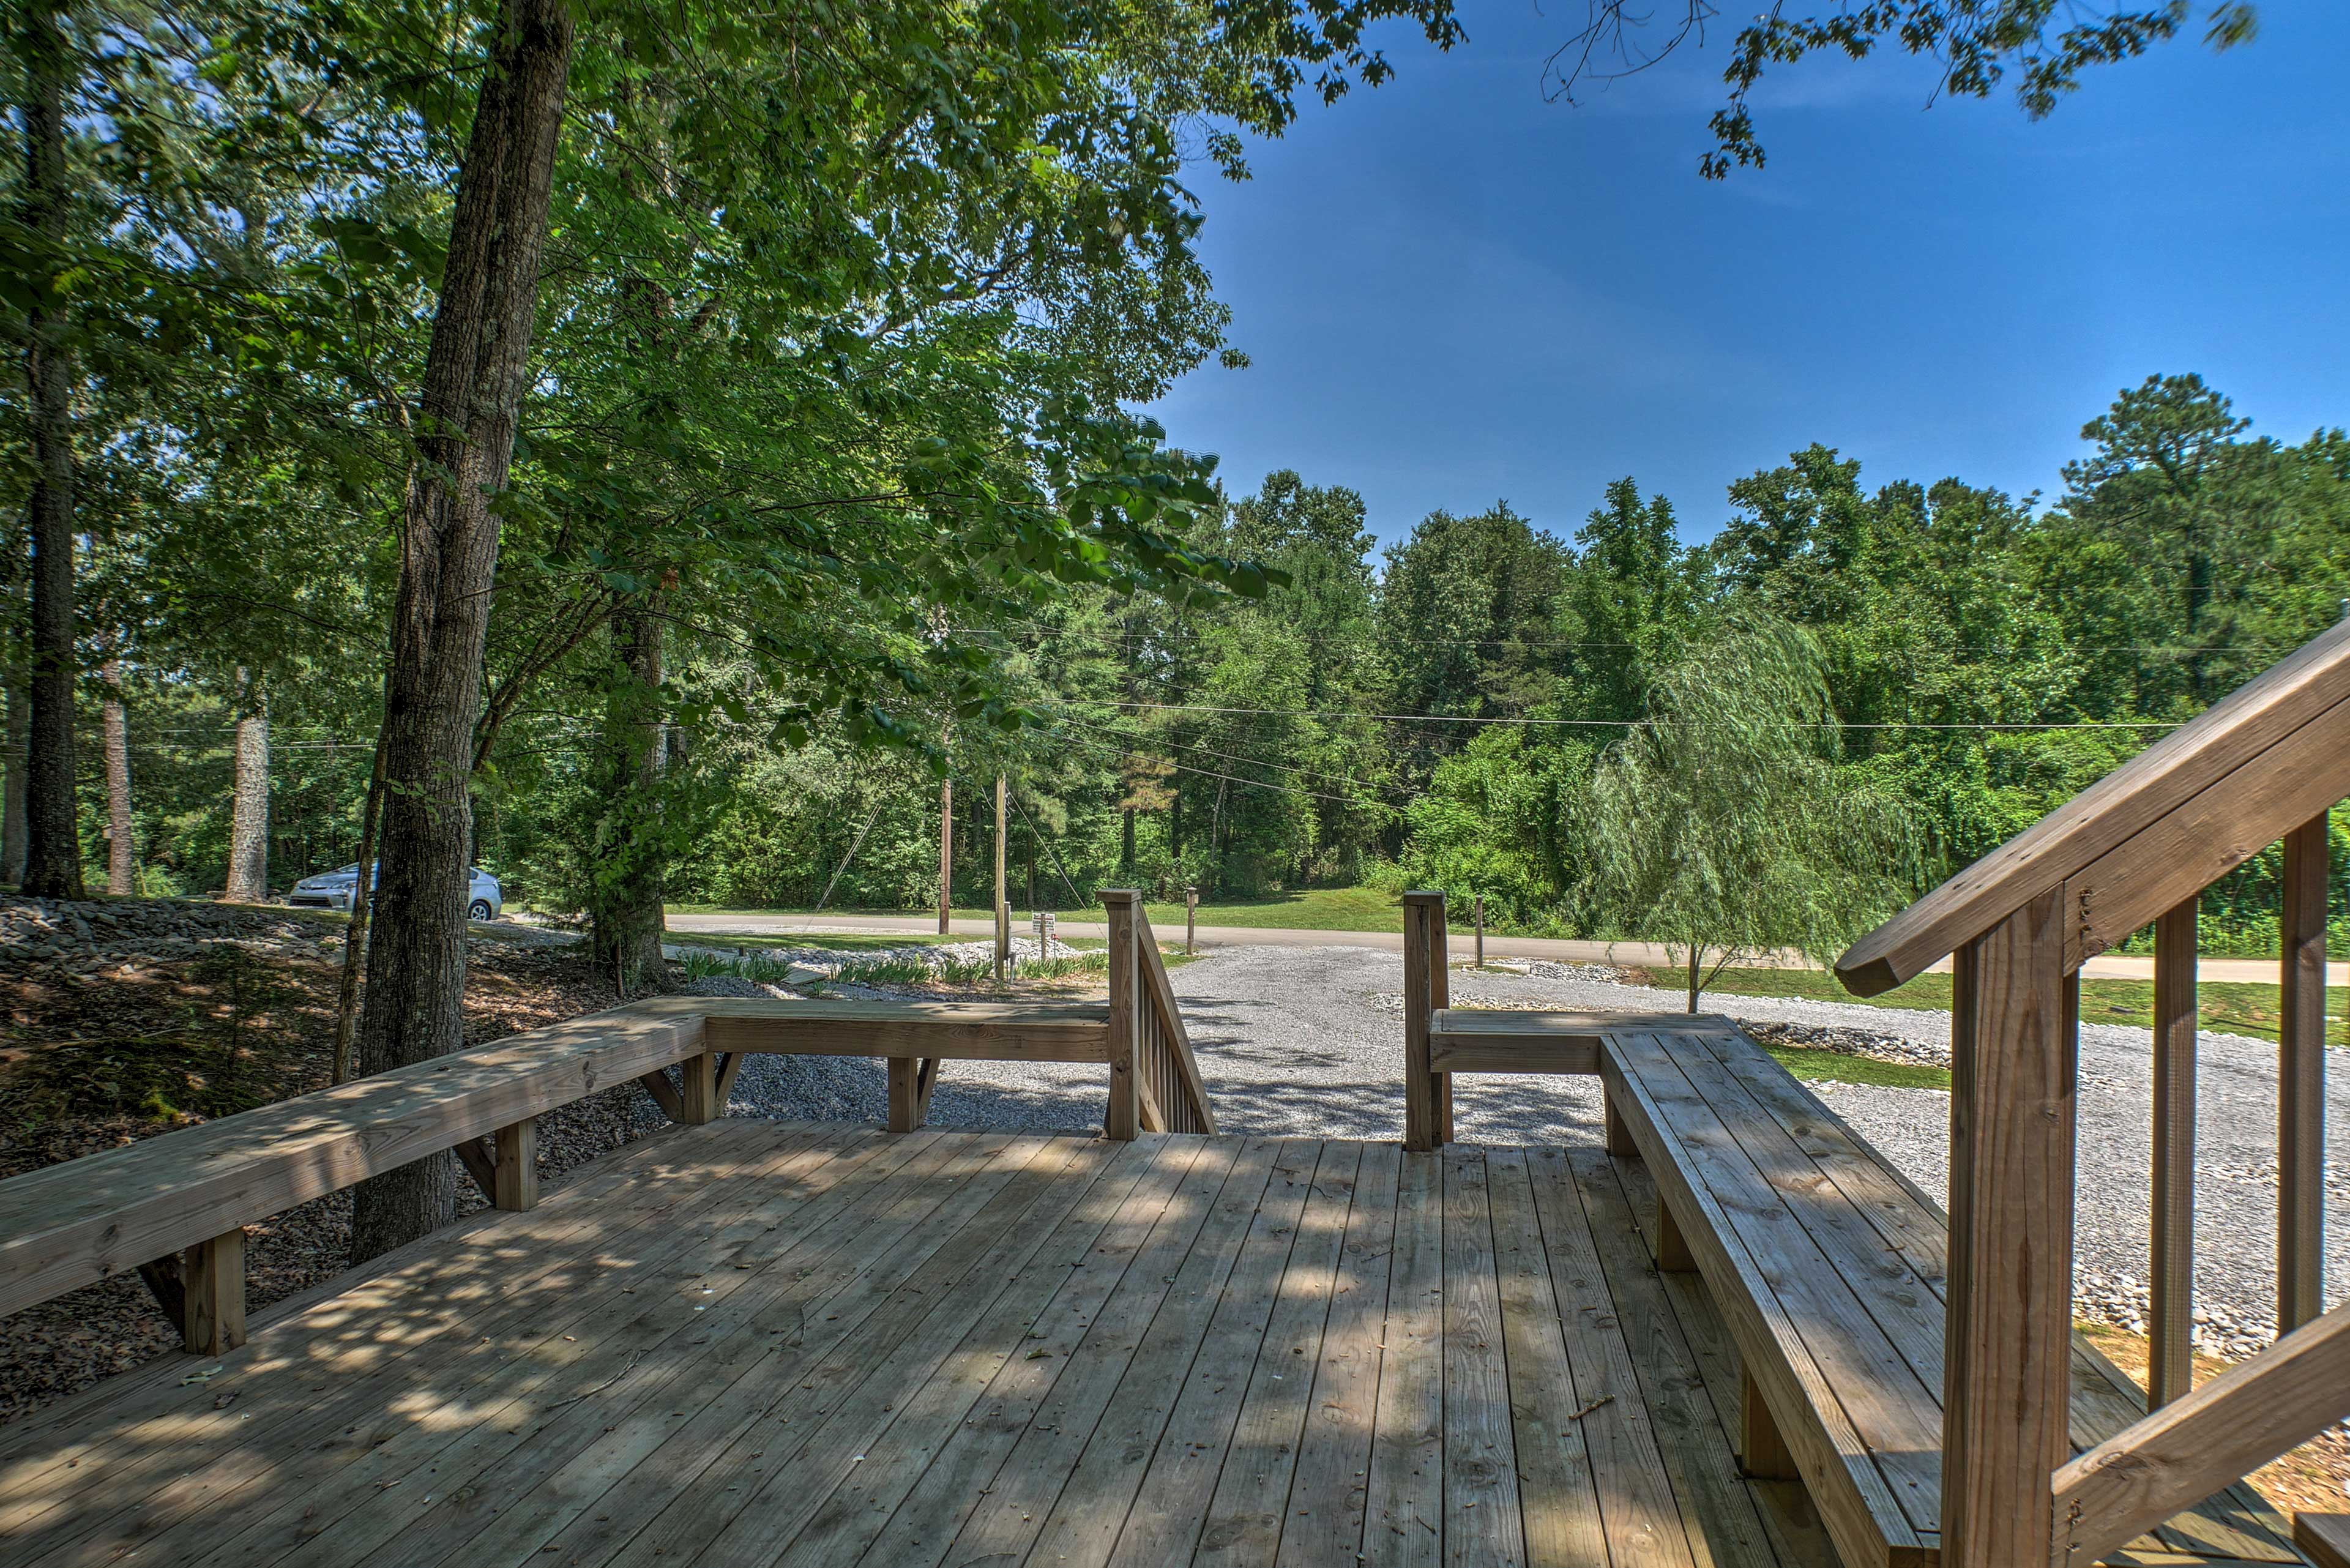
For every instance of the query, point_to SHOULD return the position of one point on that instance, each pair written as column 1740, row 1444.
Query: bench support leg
column 213, row 1276
column 1763, row 1453
column 513, row 1180
column 910, row 1080
column 1673, row 1255
column 698, row 1100
column 1619, row 1134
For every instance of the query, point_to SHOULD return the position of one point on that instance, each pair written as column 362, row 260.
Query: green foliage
column 1975, row 45
column 1722, row 826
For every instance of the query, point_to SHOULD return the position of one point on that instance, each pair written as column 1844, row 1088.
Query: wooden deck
column 756, row 1343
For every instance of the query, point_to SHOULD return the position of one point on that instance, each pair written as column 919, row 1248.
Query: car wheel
column 480, row 910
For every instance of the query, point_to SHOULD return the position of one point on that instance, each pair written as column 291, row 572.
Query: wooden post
column 1763, row 1453
column 1673, row 1255
column 1191, row 920
column 946, row 853
column 1439, row 997
column 514, row 1180
column 911, row 1080
column 1426, row 1121
column 214, row 1272
column 2300, row 1096
column 2171, row 1271
column 2007, row 1346
column 1123, row 1118
column 1618, row 1132
column 698, row 1098
column 1003, row 897
column 1481, row 931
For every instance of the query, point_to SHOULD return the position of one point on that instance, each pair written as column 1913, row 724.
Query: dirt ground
column 89, row 1063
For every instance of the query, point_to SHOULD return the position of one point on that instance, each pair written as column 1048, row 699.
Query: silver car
column 484, row 899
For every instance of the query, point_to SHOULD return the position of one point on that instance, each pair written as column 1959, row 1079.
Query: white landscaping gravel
column 1309, row 1042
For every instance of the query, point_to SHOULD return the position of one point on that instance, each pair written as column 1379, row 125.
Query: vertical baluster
column 2301, row 1109
column 2172, row 1225
column 2008, row 1349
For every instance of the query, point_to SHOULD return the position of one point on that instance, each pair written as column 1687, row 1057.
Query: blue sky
column 1455, row 293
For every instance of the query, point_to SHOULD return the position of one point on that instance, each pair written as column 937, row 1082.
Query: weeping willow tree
column 1723, row 824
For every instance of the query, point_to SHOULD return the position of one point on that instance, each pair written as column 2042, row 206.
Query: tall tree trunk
column 52, row 842
column 625, row 918
column 248, row 831
column 12, row 802
column 122, row 854
column 474, row 375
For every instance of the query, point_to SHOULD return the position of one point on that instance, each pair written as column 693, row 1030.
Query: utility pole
column 1481, row 931
column 1190, row 918
column 1003, row 897
column 946, row 851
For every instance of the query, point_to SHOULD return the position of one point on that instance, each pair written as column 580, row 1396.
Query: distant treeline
column 1433, row 714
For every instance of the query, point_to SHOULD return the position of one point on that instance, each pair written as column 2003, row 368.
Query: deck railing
column 1154, row 1081
column 2136, row 849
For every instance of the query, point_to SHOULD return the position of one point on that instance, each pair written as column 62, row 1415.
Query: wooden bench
column 1828, row 1266
column 174, row 1207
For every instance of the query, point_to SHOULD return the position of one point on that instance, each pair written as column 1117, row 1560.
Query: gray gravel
column 1309, row 1041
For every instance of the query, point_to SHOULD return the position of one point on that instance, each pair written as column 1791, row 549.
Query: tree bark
column 476, row 372
column 248, row 833
column 625, row 918
column 52, row 840
column 1696, row 957
column 355, row 940
column 12, row 802
column 121, row 856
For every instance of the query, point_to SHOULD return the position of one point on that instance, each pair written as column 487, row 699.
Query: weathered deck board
column 822, row 1346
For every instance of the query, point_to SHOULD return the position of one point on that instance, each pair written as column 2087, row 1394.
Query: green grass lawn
column 2233, row 1007
column 1314, row 909
column 1836, row 1067
column 832, row 941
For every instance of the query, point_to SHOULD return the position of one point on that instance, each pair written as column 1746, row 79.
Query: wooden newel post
column 1427, row 988
column 2007, row 1389
column 1122, row 1119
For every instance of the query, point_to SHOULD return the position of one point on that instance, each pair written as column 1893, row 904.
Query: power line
column 1234, row 778
column 1186, row 634
column 1154, row 741
column 1614, row 724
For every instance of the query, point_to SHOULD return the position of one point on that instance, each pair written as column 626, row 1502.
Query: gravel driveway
column 1310, row 1040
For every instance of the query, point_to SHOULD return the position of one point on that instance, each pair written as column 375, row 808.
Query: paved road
column 1645, row 954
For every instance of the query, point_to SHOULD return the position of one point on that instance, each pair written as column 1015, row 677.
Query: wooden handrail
column 2266, row 765
column 2244, row 731
column 1160, row 1076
